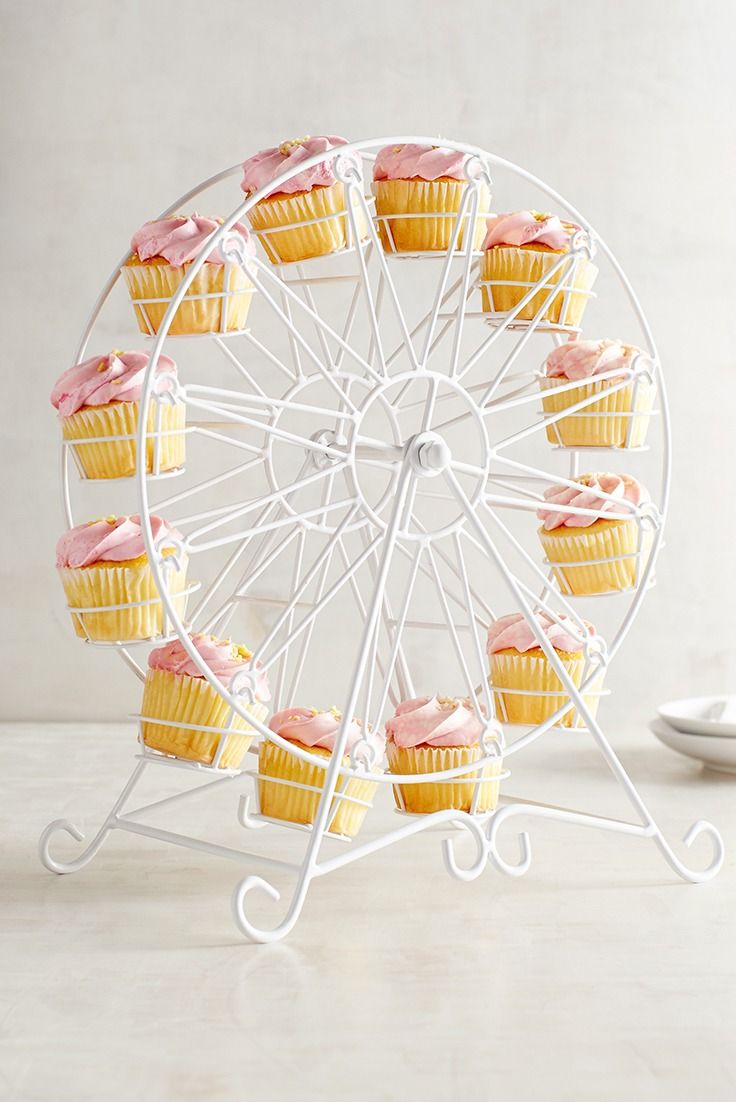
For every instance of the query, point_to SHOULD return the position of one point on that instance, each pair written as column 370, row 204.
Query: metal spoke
column 453, row 633
column 319, row 605
column 383, row 264
column 208, row 483
column 273, row 430
column 314, row 317
column 230, row 355
column 272, row 526
column 307, row 580
column 467, row 199
column 472, row 627
column 398, row 630
column 243, row 510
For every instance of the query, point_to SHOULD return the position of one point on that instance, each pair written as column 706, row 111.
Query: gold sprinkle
column 314, row 711
column 111, row 519
column 241, row 652
column 286, row 147
column 397, row 149
column 294, row 719
column 117, row 352
column 102, row 365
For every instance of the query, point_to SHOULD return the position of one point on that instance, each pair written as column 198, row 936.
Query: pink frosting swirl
column 525, row 227
column 514, row 632
column 223, row 657
column 112, row 539
column 180, row 238
column 265, row 166
column 623, row 487
column 583, row 359
column 435, row 721
column 315, row 728
column 423, row 162
column 116, row 377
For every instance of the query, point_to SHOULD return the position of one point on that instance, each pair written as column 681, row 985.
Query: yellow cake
column 196, row 714
column 112, row 597
column 521, row 250
column 434, row 734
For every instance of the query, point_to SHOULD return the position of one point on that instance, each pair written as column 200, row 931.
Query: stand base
column 484, row 829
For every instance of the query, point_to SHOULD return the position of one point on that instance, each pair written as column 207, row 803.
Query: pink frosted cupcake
column 610, row 420
column 612, row 548
column 434, row 733
column 176, row 692
column 99, row 400
column 285, row 797
column 107, row 578
column 519, row 251
column 526, row 687
column 419, row 189
column 306, row 216
column 218, row 298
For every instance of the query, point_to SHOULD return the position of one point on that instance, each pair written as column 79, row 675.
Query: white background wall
column 112, row 110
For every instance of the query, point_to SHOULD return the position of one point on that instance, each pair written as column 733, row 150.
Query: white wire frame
column 288, row 291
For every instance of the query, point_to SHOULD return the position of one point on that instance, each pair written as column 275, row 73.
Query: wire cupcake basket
column 362, row 459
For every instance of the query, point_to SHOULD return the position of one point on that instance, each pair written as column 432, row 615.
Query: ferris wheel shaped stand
column 363, row 455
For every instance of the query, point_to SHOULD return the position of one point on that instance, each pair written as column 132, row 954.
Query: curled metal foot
column 519, row 867
column 481, row 842
column 84, row 858
column 702, row 826
column 253, row 883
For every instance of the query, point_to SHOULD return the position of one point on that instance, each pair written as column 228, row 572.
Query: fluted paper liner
column 458, row 793
column 103, row 584
column 195, row 315
column 533, row 672
column 605, row 539
column 581, row 430
column 117, row 458
column 433, row 197
column 303, row 241
column 180, row 698
column 528, row 266
column 299, row 805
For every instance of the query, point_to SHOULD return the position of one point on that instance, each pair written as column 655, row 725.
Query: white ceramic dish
column 693, row 716
column 715, row 752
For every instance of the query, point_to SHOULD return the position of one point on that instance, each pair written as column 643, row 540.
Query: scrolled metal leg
column 84, row 858
column 466, row 822
column 525, row 846
column 276, row 933
column 702, row 826
column 63, row 867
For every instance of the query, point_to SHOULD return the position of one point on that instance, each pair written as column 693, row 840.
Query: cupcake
column 519, row 250
column 613, row 420
column 413, row 180
column 294, row 793
column 108, row 581
column 176, row 691
column 218, row 298
column 526, row 686
column 306, row 217
column 99, row 400
column 612, row 548
column 434, row 733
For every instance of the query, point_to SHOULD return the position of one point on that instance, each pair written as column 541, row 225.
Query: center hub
column 443, row 439
column 429, row 454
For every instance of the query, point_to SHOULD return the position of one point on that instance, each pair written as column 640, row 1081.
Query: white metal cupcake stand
column 370, row 455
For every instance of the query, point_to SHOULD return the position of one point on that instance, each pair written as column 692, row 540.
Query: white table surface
column 599, row 975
